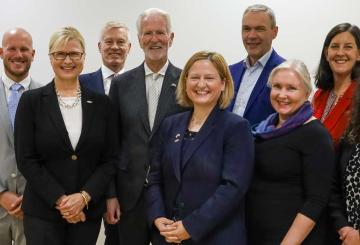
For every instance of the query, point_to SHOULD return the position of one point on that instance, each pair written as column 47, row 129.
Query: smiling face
column 203, row 84
column 155, row 39
column 67, row 69
column 257, row 34
column 17, row 54
column 288, row 93
column 342, row 54
column 114, row 48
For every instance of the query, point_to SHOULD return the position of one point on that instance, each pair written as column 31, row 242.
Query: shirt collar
column 106, row 72
column 161, row 72
column 9, row 82
column 262, row 61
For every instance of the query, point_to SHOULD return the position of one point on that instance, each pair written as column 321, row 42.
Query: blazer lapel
column 140, row 95
column 176, row 141
column 167, row 95
column 340, row 108
column 204, row 132
column 51, row 104
column 261, row 82
column 4, row 114
column 99, row 81
column 87, row 104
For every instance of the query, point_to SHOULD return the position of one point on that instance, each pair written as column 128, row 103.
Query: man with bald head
column 17, row 54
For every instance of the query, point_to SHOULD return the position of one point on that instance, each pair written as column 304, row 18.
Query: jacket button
column 74, row 157
column 13, row 175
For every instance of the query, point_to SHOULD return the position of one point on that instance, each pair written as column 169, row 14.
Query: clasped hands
column 349, row 236
column 11, row 202
column 173, row 231
column 70, row 207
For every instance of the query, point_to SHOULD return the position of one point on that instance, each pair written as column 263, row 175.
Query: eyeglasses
column 62, row 55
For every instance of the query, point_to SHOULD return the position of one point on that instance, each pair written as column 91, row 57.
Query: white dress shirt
column 107, row 77
column 8, row 83
column 248, row 82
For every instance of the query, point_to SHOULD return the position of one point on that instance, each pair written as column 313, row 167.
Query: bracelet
column 86, row 198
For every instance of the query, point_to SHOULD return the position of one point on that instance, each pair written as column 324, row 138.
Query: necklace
column 65, row 105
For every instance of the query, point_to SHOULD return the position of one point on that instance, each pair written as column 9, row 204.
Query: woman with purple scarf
column 294, row 161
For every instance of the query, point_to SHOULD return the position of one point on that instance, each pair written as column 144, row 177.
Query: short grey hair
column 263, row 8
column 114, row 24
column 299, row 68
column 153, row 11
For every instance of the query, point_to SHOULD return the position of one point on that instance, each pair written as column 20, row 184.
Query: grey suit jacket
column 129, row 96
column 10, row 177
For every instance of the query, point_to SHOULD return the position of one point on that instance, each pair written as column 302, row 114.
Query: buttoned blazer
column 47, row 159
column 258, row 106
column 10, row 178
column 128, row 93
column 208, row 180
column 93, row 81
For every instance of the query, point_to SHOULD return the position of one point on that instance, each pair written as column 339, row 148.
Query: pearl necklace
column 63, row 104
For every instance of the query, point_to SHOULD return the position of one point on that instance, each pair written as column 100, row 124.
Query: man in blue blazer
column 250, row 76
column 114, row 46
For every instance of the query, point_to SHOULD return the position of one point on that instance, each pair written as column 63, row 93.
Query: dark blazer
column 258, row 107
column 337, row 205
column 47, row 160
column 208, row 182
column 93, row 81
column 128, row 93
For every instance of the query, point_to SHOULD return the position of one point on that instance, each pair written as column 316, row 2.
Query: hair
column 150, row 12
column 262, row 8
column 324, row 78
column 113, row 24
column 16, row 30
column 352, row 133
column 63, row 36
column 222, row 68
column 296, row 66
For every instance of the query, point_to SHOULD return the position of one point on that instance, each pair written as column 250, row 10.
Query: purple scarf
column 267, row 128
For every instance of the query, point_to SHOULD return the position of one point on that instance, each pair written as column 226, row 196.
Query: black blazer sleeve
column 28, row 159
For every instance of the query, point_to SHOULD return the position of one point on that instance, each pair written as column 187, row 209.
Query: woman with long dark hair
column 335, row 78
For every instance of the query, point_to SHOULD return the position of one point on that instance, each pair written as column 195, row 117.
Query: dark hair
column 324, row 77
column 352, row 133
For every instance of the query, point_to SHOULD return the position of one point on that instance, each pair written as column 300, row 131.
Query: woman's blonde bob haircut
column 63, row 36
column 222, row 68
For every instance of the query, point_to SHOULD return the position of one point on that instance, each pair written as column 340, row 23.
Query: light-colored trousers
column 11, row 230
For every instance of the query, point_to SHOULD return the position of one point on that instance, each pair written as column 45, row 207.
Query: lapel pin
column 89, row 101
column 177, row 138
column 173, row 85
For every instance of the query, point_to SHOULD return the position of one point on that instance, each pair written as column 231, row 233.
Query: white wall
column 198, row 24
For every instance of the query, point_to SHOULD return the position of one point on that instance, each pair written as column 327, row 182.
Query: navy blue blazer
column 258, row 107
column 93, row 81
column 208, row 181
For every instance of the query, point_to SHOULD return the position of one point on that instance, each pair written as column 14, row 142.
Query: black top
column 292, row 175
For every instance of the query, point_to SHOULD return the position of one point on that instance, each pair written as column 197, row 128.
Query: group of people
column 210, row 154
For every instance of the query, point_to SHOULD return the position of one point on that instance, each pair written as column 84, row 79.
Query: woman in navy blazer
column 201, row 169
column 66, row 148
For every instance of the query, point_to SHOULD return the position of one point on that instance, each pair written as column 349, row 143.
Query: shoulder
column 314, row 132
column 276, row 58
column 236, row 65
column 90, row 74
column 129, row 76
column 232, row 122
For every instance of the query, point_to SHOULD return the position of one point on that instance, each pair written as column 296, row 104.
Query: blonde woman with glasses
column 66, row 149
